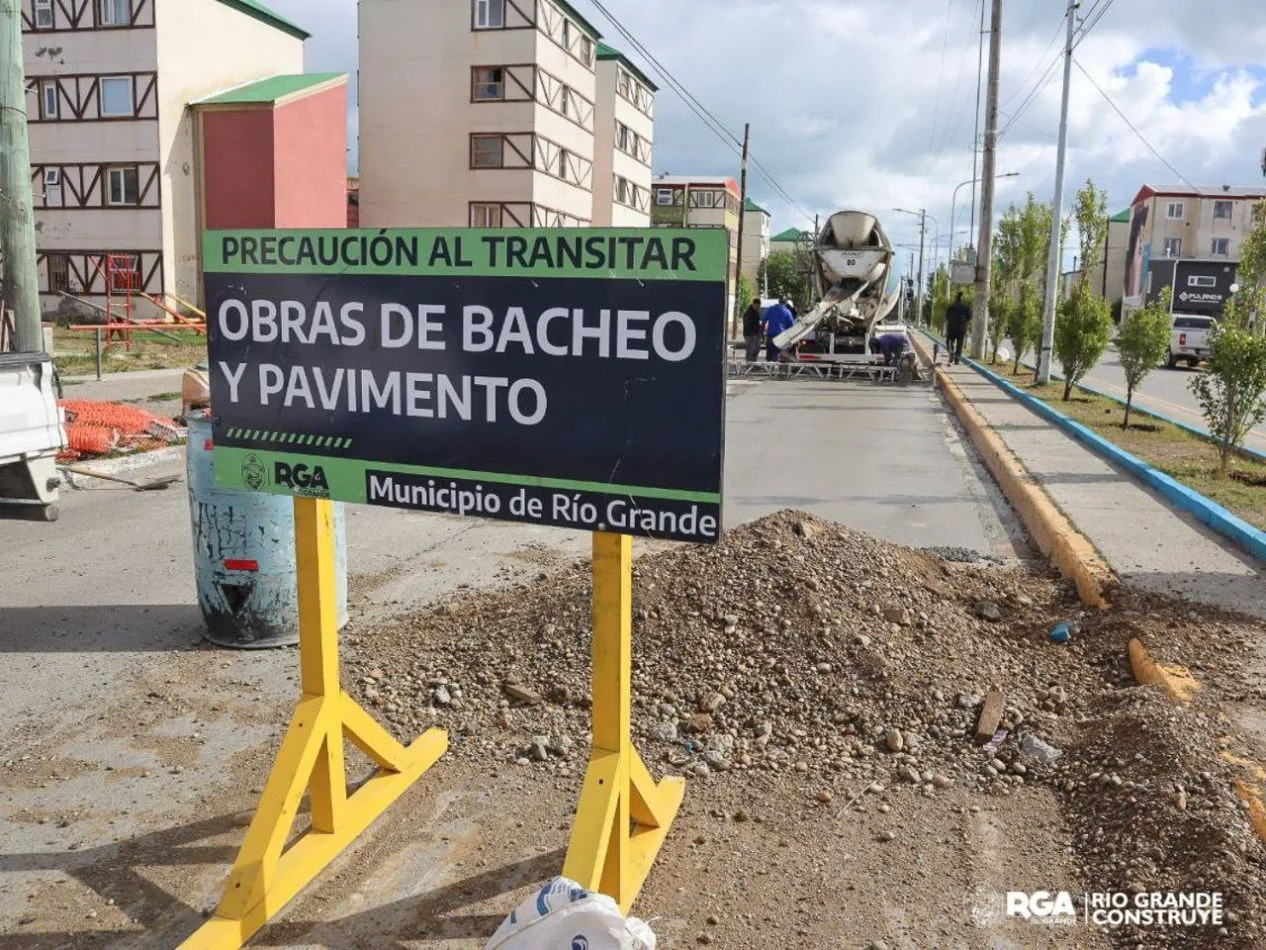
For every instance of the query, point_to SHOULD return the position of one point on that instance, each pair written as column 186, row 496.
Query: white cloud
column 869, row 103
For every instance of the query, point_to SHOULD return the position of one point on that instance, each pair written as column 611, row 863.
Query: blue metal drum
column 244, row 555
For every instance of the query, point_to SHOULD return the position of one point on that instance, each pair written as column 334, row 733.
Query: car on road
column 1189, row 339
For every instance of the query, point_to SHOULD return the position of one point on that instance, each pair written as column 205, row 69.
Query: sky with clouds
column 870, row 103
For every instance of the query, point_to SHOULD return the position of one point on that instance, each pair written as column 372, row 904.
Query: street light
column 954, row 199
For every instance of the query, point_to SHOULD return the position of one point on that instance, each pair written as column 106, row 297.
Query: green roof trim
column 753, row 206
column 575, row 15
column 255, row 9
column 1122, row 217
column 610, row 52
column 789, row 236
column 265, row 91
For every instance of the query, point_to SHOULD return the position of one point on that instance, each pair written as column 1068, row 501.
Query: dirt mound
column 798, row 646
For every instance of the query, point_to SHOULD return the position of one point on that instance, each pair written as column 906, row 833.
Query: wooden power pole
column 740, row 305
column 20, row 288
column 984, row 252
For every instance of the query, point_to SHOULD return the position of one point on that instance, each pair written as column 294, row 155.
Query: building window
column 621, row 136
column 1172, row 247
column 487, row 151
column 1203, row 281
column 1222, row 209
column 586, row 51
column 43, row 14
column 563, row 158
column 490, row 14
column 1221, row 247
column 116, row 12
column 565, row 102
column 488, row 84
column 485, row 216
column 49, row 100
column 663, row 196
column 623, row 83
column 567, row 34
column 58, row 273
column 116, row 97
column 1175, row 211
column 122, row 187
column 52, row 187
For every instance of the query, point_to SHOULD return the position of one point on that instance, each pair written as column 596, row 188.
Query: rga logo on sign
column 302, row 479
column 1108, row 909
column 571, row 377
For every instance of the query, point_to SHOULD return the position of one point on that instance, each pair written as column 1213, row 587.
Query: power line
column 940, row 73
column 1059, row 28
column 715, row 125
column 1141, row 138
column 1092, row 19
column 1028, row 100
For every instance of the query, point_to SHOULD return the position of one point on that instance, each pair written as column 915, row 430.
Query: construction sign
column 571, row 377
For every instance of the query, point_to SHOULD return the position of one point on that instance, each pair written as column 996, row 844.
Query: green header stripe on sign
column 347, row 476
column 695, row 254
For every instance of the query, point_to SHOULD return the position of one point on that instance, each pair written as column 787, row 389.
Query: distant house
column 755, row 239
column 700, row 201
column 788, row 240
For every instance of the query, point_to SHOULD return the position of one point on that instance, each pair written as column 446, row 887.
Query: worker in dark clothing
column 751, row 330
column 957, row 319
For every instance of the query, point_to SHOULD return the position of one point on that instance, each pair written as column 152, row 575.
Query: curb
column 1177, row 680
column 1056, row 537
column 172, row 454
column 1205, row 510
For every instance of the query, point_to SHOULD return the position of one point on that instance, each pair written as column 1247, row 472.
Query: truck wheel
column 1193, row 362
column 1170, row 360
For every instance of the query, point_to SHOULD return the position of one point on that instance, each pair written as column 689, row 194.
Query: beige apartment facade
column 497, row 113
column 623, row 142
column 755, row 239
column 111, row 133
column 1182, row 223
column 700, row 201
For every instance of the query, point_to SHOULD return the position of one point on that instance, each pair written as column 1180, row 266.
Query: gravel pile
column 796, row 646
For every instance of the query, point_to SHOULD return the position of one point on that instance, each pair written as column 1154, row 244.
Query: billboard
column 570, row 377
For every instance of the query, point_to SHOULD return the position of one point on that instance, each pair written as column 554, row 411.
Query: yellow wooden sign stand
column 623, row 815
column 265, row 877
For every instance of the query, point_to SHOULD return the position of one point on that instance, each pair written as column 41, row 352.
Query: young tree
column 785, row 281
column 1000, row 308
column 1024, row 324
column 1233, row 391
column 1082, row 333
column 1090, row 211
column 1248, row 306
column 1142, row 344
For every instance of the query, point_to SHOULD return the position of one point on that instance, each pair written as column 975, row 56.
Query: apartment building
column 498, row 113
column 112, row 135
column 623, row 141
column 755, row 239
column 700, row 201
column 1172, row 225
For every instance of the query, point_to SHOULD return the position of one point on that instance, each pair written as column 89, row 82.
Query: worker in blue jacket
column 778, row 319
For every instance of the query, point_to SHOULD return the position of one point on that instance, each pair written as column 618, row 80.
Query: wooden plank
column 990, row 716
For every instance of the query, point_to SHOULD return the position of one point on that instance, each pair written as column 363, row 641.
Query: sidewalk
column 1147, row 543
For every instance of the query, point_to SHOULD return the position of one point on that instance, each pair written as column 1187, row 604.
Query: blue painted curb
column 1245, row 451
column 1205, row 510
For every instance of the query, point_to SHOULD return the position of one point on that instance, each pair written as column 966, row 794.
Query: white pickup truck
column 1189, row 339
column 31, row 435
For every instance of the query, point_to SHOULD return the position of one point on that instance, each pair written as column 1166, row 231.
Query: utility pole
column 984, row 249
column 918, row 301
column 975, row 142
column 1057, row 215
column 20, row 287
column 740, row 305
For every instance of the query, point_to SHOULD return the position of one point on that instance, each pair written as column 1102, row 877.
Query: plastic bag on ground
column 562, row 915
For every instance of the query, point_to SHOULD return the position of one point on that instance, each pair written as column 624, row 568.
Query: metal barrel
column 244, row 555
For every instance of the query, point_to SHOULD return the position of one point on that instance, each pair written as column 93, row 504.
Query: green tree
column 1248, row 306
column 785, row 281
column 1000, row 307
column 1024, row 323
column 1233, row 391
column 1090, row 211
column 1142, row 344
column 1082, row 333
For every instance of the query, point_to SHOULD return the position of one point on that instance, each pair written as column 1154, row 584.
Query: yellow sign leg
column 623, row 814
column 266, row 876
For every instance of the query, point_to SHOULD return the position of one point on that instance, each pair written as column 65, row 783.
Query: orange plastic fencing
column 98, row 428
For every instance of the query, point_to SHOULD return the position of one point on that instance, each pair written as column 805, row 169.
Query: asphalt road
column 1165, row 391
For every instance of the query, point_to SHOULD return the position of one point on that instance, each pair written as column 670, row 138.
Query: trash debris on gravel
column 813, row 657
